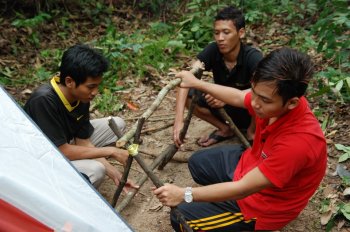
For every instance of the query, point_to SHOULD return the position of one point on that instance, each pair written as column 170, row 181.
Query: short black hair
column 232, row 13
column 80, row 62
column 290, row 69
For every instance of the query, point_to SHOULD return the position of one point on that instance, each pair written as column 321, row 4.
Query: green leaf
column 341, row 147
column 344, row 157
column 339, row 85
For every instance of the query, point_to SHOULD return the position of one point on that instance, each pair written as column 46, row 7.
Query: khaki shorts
column 102, row 136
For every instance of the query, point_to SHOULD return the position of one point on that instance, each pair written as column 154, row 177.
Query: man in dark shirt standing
column 232, row 64
column 61, row 110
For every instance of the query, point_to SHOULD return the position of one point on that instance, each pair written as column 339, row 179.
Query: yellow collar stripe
column 64, row 100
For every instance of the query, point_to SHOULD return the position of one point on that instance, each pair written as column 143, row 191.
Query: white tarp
column 36, row 178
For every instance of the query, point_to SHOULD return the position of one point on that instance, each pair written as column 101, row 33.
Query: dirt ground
column 145, row 213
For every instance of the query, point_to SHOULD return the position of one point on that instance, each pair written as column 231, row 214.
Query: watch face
column 188, row 197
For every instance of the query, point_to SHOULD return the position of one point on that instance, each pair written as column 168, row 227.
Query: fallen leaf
column 156, row 207
column 132, row 106
column 346, row 191
column 325, row 217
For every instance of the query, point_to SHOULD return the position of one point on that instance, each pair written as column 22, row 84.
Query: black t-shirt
column 239, row 77
column 59, row 124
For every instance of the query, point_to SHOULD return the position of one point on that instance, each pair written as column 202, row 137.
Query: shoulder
column 42, row 95
column 251, row 52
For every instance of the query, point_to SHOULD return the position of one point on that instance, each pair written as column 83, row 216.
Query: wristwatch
column 188, row 195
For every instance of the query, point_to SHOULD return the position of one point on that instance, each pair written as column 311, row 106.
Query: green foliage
column 196, row 27
column 338, row 209
column 156, row 7
column 346, row 155
column 6, row 76
column 107, row 102
column 33, row 26
column 334, row 20
column 337, row 84
column 139, row 53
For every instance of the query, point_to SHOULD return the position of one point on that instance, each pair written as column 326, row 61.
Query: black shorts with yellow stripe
column 209, row 216
column 211, row 166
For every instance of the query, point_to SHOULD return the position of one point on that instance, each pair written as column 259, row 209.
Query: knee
column 98, row 173
column 120, row 123
column 194, row 160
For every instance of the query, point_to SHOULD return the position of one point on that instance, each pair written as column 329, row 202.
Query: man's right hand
column 120, row 155
column 178, row 125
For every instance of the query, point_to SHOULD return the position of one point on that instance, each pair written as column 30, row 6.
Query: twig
column 119, row 164
column 124, row 178
column 153, row 116
column 121, row 142
column 177, row 159
column 172, row 148
column 233, row 127
column 157, row 128
column 158, row 183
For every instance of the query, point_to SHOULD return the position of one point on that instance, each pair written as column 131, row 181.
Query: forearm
column 218, row 192
column 229, row 95
column 181, row 97
column 111, row 171
column 77, row 152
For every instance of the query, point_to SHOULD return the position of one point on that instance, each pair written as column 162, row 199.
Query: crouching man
column 266, row 186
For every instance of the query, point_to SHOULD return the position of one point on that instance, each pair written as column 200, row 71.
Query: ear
column 241, row 33
column 293, row 102
column 70, row 83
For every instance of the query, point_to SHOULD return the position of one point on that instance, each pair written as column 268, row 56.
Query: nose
column 94, row 91
column 255, row 103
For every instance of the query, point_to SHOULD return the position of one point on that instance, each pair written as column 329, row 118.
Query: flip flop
column 216, row 138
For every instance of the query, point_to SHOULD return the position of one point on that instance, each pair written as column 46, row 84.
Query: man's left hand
column 169, row 194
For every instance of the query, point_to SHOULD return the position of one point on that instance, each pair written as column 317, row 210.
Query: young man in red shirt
column 267, row 186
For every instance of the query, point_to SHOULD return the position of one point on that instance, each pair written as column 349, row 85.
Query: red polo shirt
column 292, row 154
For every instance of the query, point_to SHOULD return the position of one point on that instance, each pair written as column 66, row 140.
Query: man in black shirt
column 232, row 64
column 61, row 110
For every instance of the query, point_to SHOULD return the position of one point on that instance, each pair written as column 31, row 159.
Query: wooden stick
column 153, row 116
column 124, row 178
column 176, row 159
column 158, row 183
column 157, row 128
column 127, row 136
column 140, row 182
column 233, row 127
column 172, row 148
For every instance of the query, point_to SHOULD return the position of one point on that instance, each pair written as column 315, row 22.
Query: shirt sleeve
column 41, row 110
column 208, row 55
column 253, row 59
column 248, row 103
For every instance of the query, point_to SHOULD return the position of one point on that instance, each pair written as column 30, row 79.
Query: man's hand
column 120, row 155
column 178, row 125
column 129, row 185
column 116, row 176
column 188, row 79
column 169, row 194
column 213, row 102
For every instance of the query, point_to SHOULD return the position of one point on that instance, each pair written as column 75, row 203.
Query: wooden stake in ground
column 172, row 148
column 234, row 128
column 124, row 178
column 134, row 154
